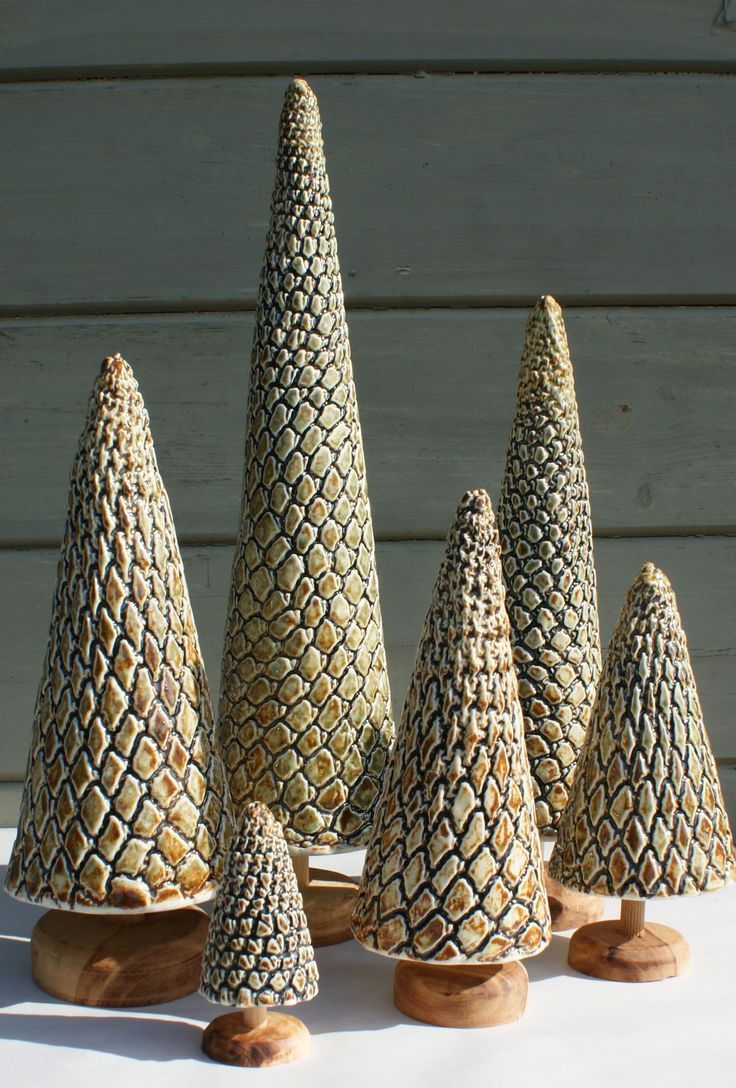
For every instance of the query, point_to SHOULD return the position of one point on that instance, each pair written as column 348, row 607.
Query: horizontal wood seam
column 164, row 307
column 418, row 67
column 24, row 319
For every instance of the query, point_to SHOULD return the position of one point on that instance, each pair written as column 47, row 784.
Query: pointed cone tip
column 115, row 366
column 116, row 376
column 548, row 311
column 650, row 593
column 257, row 815
column 474, row 503
column 300, row 130
column 474, row 522
column 546, row 356
column 299, row 93
column 652, row 579
column 549, row 306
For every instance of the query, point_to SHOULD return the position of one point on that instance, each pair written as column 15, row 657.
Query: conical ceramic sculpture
column 547, row 545
column 452, row 885
column 646, row 815
column 305, row 714
column 122, row 814
column 258, row 953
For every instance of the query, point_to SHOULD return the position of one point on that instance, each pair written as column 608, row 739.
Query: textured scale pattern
column 305, row 713
column 123, row 800
column 453, row 869
column 547, row 544
column 258, row 949
column 646, row 816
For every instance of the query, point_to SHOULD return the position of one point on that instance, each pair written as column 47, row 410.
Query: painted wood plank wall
column 95, row 36
column 133, row 210
column 465, row 190
column 656, row 390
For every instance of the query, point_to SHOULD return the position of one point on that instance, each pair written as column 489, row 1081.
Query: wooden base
column 628, row 950
column 465, row 996
column 570, row 909
column 329, row 899
column 118, row 961
column 255, row 1038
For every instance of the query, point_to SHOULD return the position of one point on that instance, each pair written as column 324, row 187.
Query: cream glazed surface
column 305, row 712
column 123, row 807
column 453, row 870
column 547, row 543
column 646, row 817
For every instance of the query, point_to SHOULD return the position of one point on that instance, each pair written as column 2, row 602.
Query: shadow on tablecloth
column 145, row 1037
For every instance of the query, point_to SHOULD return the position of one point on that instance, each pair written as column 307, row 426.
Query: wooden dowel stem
column 632, row 916
column 301, row 868
column 254, row 1016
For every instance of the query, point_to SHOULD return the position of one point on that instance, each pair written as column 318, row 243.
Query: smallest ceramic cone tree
column 453, row 871
column 258, row 949
column 547, row 542
column 646, row 815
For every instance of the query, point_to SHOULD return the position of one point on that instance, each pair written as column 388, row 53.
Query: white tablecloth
column 659, row 1035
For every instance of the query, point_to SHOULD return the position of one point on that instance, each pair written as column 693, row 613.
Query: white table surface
column 678, row 1032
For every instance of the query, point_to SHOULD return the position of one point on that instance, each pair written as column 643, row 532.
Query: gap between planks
column 193, row 308
column 420, row 68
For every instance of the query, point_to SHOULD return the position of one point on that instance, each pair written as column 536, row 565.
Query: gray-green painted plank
column 155, row 194
column 702, row 571
column 657, row 394
column 92, row 36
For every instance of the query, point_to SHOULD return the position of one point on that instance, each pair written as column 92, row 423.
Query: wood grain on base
column 329, row 899
column 118, row 961
column 463, row 996
column 603, row 950
column 570, row 909
column 232, row 1039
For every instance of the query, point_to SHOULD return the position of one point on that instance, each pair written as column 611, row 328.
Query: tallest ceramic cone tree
column 305, row 711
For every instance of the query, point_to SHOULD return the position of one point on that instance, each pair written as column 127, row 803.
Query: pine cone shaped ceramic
column 305, row 713
column 547, row 544
column 646, row 814
column 123, row 801
column 453, row 872
column 258, row 949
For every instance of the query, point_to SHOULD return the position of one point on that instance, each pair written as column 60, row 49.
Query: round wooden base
column 329, row 899
column 118, row 961
column 278, row 1039
column 603, row 950
column 570, row 909
column 465, row 996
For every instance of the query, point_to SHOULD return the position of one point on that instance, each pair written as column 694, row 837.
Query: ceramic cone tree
column 258, row 953
column 646, row 815
column 122, row 811
column 452, row 883
column 305, row 711
column 547, row 544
